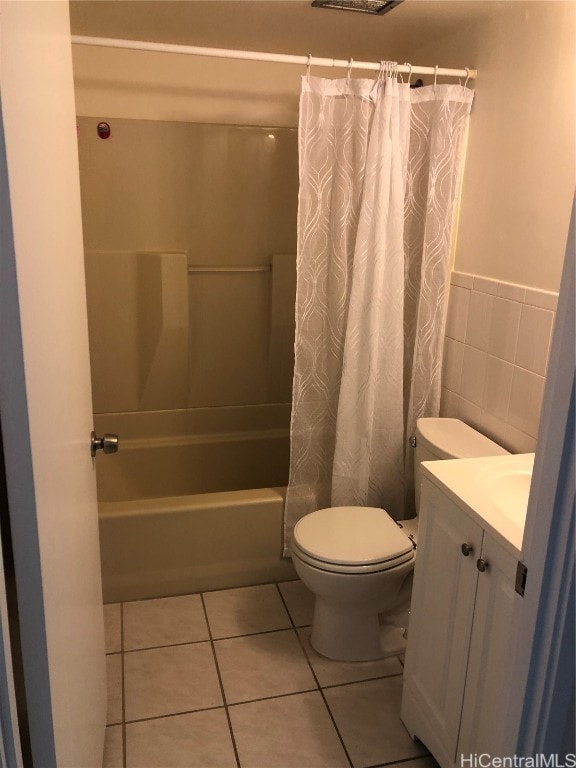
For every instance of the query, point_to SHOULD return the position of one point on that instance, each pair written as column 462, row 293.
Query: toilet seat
column 351, row 540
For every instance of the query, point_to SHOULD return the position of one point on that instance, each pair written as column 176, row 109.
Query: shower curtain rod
column 279, row 58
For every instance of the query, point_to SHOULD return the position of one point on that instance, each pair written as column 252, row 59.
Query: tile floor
column 228, row 679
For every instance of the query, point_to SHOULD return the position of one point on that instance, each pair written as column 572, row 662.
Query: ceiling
column 281, row 26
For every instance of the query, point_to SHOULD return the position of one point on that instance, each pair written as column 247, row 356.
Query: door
column 488, row 691
column 440, row 623
column 45, row 397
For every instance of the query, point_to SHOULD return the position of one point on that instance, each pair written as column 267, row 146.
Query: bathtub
column 193, row 500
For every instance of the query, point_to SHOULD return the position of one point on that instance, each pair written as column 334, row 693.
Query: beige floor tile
column 233, row 612
column 112, row 627
column 331, row 672
column 368, row 717
column 113, row 753
column 289, row 732
column 165, row 681
column 166, row 621
column 114, row 680
column 197, row 740
column 257, row 666
column 300, row 602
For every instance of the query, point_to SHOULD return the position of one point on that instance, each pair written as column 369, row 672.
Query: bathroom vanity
column 465, row 601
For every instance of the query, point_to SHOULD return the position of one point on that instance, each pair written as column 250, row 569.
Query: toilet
column 358, row 561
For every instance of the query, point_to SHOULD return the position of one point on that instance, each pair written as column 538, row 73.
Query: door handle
column 108, row 443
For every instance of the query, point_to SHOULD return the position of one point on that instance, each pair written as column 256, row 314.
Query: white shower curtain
column 379, row 168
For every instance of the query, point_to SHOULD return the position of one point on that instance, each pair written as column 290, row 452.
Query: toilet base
column 350, row 635
column 392, row 640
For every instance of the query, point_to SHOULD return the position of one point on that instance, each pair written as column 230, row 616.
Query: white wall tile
column 470, row 413
column 478, row 326
column 534, row 338
column 494, row 380
column 452, row 365
column 519, row 442
column 457, row 313
column 463, row 279
column 498, row 384
column 504, row 322
column 493, row 427
column 449, row 404
column 525, row 401
column 486, row 285
column 542, row 299
column 512, row 291
column 473, row 375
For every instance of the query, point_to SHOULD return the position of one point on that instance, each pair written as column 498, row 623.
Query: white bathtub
column 193, row 500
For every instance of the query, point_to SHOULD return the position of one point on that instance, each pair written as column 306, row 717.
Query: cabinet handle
column 482, row 565
column 467, row 549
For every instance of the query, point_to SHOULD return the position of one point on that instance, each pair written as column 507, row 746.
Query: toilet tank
column 440, row 438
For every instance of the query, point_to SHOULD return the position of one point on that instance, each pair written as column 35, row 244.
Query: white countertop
column 494, row 490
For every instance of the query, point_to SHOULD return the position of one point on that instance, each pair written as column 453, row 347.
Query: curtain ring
column 409, row 71
column 435, row 75
column 308, row 65
column 467, row 76
column 348, row 76
column 395, row 70
column 378, row 78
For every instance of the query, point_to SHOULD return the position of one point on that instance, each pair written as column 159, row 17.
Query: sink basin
column 495, row 488
column 509, row 492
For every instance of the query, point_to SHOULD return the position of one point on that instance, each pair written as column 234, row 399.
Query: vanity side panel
column 440, row 624
column 484, row 715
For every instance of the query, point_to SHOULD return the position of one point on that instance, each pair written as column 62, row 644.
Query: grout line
column 167, row 645
column 123, row 686
column 199, row 592
column 209, row 639
column 275, row 696
column 336, row 728
column 221, row 684
column 317, row 681
column 173, row 714
column 364, row 679
column 285, row 606
column 400, row 760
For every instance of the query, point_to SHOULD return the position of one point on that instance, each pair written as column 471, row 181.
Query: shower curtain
column 379, row 169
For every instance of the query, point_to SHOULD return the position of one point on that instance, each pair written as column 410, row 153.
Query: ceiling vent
column 378, row 7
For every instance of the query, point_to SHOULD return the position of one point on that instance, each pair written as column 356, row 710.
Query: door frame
column 542, row 720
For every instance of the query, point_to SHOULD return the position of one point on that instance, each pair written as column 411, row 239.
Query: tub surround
column 495, row 357
column 193, row 500
column 205, row 450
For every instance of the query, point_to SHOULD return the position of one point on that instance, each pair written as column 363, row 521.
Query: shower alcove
column 190, row 236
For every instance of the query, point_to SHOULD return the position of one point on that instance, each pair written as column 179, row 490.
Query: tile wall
column 495, row 357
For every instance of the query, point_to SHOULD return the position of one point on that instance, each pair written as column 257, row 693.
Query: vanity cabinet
column 461, row 633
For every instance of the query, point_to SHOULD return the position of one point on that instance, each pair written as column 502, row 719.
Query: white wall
column 519, row 177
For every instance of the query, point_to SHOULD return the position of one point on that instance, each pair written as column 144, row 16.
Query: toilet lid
column 351, row 535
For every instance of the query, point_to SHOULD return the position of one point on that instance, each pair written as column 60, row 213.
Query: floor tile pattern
column 228, row 679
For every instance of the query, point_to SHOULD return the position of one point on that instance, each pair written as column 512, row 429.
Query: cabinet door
column 440, row 623
column 491, row 654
